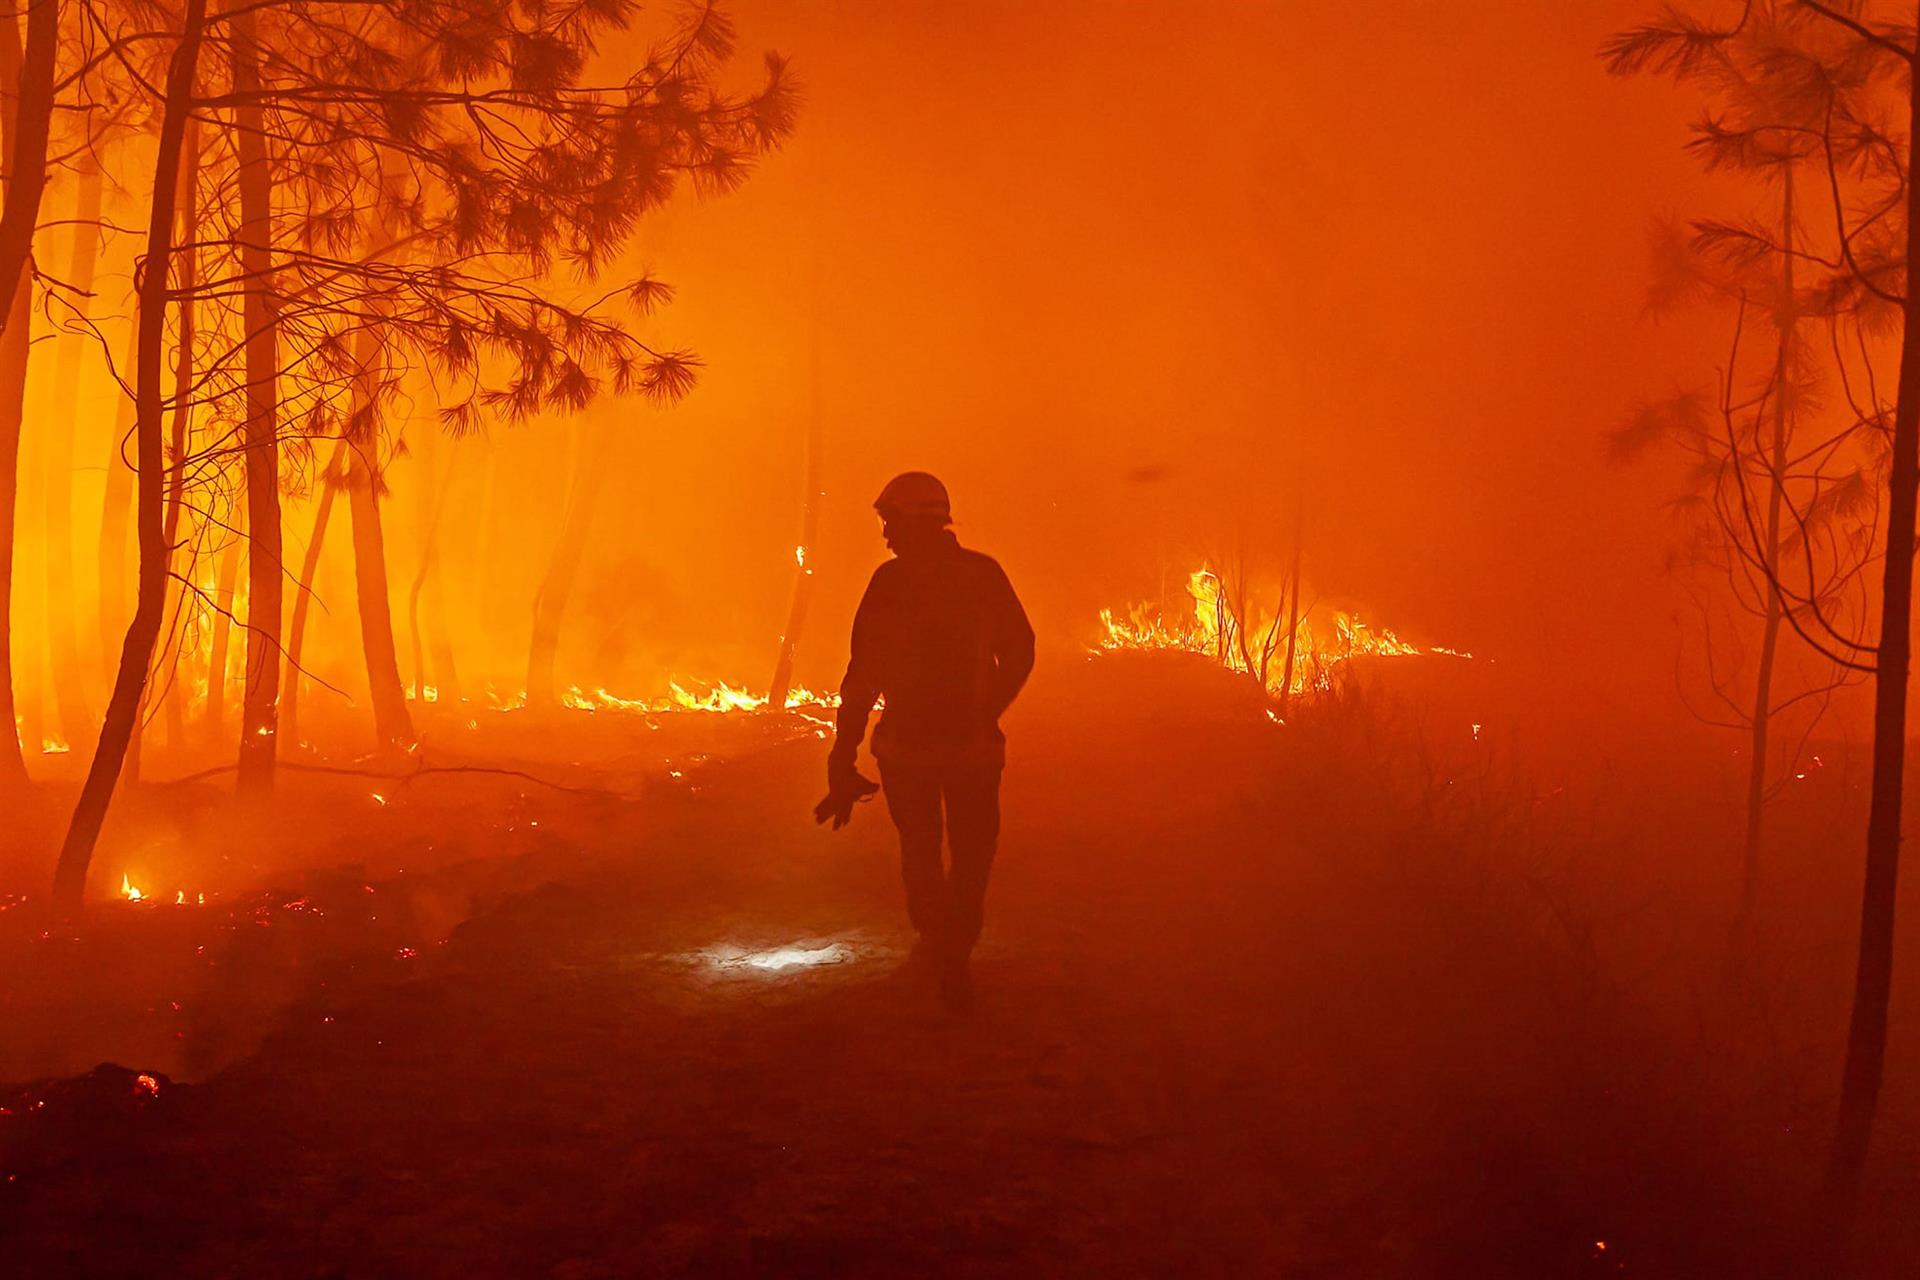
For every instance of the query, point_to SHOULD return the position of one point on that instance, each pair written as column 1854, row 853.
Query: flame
column 127, row 890
column 54, row 745
column 1322, row 639
column 719, row 697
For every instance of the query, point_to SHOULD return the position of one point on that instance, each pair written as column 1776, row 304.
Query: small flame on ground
column 127, row 890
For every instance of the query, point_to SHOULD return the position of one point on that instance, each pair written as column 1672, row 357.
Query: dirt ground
column 1226, row 1026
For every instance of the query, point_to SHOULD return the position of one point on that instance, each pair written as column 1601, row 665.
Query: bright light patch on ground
column 777, row 959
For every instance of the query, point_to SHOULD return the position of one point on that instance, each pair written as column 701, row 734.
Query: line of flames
column 1323, row 637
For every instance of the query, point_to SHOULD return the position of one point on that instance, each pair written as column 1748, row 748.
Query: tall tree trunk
column 550, row 602
column 83, row 831
column 803, row 572
column 29, row 123
column 15, row 344
column 1762, row 716
column 259, row 718
column 63, row 627
column 186, row 273
column 1873, row 981
column 223, row 592
column 116, row 504
column 391, row 722
column 330, row 482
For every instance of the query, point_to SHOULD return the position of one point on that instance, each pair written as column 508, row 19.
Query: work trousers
column 945, row 904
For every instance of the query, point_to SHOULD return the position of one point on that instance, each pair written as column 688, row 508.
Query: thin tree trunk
column 115, row 505
column 123, row 709
column 229, row 572
column 186, row 273
column 391, row 722
column 1770, row 628
column 1873, row 982
column 330, row 481
column 29, row 114
column 63, row 626
column 550, row 602
column 259, row 716
column 803, row 572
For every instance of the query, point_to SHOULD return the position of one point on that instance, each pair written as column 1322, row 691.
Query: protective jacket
column 941, row 636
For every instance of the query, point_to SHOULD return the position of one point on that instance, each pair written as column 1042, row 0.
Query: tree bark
column 115, row 504
column 392, row 723
column 63, row 625
column 1873, row 979
column 228, row 574
column 550, row 602
column 259, row 434
column 30, row 124
column 186, row 272
column 123, row 709
column 330, row 481
column 14, row 348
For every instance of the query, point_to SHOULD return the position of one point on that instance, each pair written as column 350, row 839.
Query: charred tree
column 392, row 723
column 329, row 484
column 123, row 709
column 226, row 582
column 1888, row 276
column 30, row 113
column 115, row 504
column 24, row 135
column 259, row 724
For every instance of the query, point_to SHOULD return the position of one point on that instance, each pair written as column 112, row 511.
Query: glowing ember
column 1238, row 637
column 147, row 1085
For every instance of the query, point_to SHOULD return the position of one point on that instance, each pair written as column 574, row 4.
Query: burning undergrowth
column 1296, row 648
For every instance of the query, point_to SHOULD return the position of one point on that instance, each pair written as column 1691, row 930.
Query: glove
column 846, row 787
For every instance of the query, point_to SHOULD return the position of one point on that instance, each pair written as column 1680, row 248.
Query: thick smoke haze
column 1139, row 279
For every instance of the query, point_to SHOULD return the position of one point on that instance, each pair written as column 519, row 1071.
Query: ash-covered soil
column 1253, row 1000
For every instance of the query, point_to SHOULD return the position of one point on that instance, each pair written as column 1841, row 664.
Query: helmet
column 914, row 494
